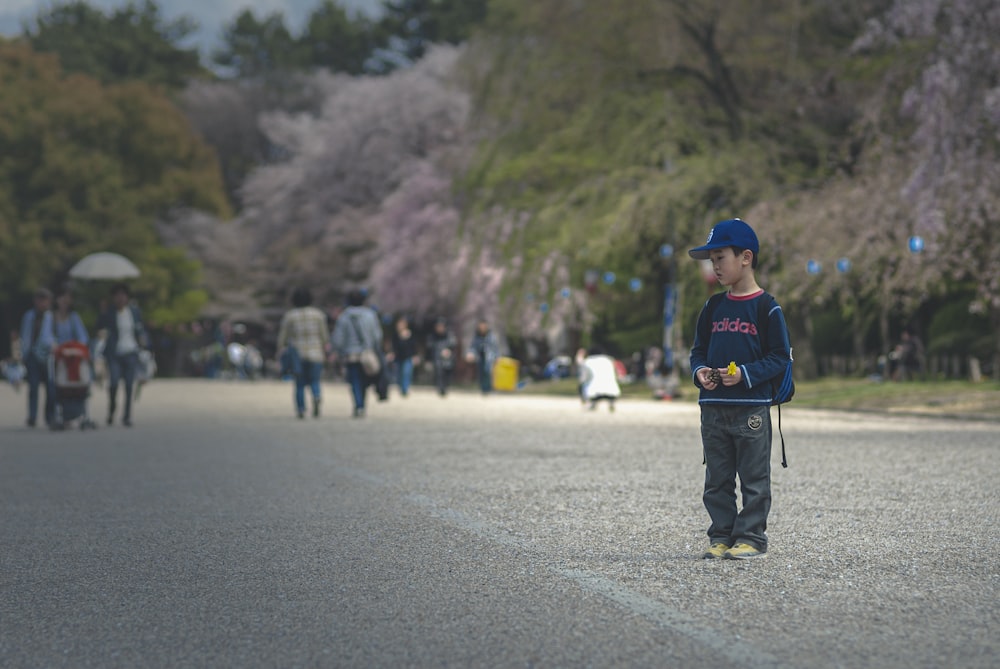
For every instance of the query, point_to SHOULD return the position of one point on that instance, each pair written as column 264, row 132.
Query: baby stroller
column 71, row 375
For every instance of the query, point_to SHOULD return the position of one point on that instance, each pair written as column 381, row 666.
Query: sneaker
column 315, row 408
column 715, row 551
column 743, row 552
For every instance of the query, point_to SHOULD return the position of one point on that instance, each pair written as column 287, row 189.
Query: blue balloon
column 813, row 267
column 544, row 306
column 916, row 244
column 666, row 251
column 844, row 265
column 635, row 285
column 609, row 278
column 564, row 292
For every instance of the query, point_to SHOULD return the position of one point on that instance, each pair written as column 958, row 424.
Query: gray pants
column 121, row 368
column 737, row 442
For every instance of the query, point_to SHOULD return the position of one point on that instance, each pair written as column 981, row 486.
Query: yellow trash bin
column 505, row 373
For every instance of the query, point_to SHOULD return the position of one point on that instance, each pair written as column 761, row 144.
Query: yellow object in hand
column 731, row 370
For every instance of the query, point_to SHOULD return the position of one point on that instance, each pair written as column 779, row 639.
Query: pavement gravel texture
column 472, row 531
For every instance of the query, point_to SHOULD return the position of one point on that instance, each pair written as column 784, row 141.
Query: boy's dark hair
column 737, row 251
column 301, row 297
column 120, row 288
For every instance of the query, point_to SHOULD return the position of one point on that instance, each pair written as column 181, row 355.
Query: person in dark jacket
column 403, row 354
column 483, row 353
column 733, row 369
column 37, row 341
column 126, row 336
column 441, row 345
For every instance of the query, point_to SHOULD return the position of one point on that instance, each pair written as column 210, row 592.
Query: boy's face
column 729, row 267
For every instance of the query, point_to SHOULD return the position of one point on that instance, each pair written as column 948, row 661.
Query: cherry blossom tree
column 364, row 197
column 926, row 170
column 954, row 109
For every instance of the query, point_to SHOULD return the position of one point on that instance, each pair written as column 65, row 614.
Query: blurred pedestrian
column 403, row 354
column 67, row 324
column 441, row 345
column 599, row 379
column 357, row 336
column 909, row 355
column 581, row 373
column 37, row 340
column 303, row 337
column 13, row 369
column 483, row 352
column 126, row 337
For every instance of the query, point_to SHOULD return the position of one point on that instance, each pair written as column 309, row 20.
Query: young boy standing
column 734, row 368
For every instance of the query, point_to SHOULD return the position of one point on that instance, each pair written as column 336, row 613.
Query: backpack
column 783, row 388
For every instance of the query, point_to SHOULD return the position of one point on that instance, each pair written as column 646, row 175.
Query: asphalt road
column 505, row 531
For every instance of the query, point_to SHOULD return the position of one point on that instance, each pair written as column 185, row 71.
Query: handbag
column 370, row 362
column 369, row 359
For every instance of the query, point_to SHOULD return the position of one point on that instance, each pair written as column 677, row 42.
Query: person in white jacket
column 598, row 380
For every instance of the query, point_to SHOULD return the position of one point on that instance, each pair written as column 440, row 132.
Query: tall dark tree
column 337, row 41
column 255, row 47
column 409, row 26
column 132, row 43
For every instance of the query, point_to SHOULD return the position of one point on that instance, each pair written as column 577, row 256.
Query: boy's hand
column 708, row 378
column 731, row 379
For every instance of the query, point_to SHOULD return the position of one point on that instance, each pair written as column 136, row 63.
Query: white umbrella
column 104, row 265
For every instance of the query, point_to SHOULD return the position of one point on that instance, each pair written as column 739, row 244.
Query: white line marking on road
column 726, row 645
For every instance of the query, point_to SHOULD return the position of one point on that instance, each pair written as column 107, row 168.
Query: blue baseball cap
column 732, row 232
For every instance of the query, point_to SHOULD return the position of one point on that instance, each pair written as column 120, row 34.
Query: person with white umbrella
column 126, row 336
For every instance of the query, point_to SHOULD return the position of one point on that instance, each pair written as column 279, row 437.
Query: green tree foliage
column 617, row 146
column 87, row 167
column 612, row 146
column 408, row 27
column 254, row 47
column 132, row 43
column 337, row 41
column 343, row 42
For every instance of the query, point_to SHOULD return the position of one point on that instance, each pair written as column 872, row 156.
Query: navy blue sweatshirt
column 730, row 334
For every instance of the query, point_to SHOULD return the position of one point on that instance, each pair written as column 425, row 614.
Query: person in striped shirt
column 303, row 338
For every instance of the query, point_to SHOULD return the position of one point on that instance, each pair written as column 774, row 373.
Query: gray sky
column 211, row 15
